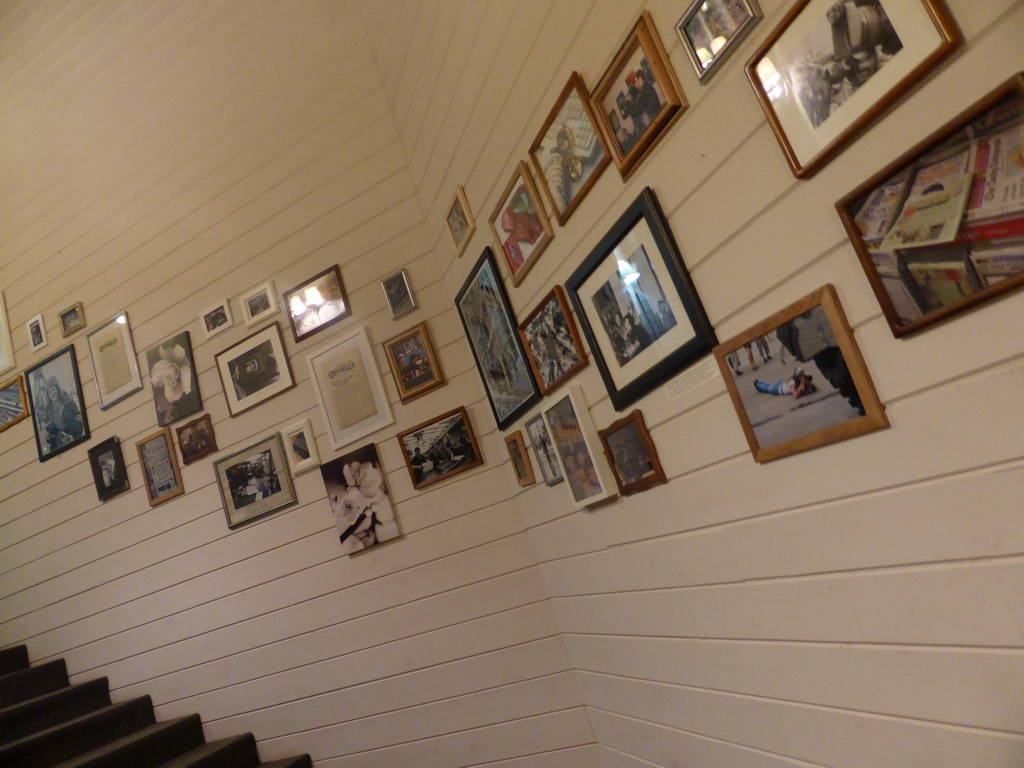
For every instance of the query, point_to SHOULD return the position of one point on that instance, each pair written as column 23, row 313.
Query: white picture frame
column 588, row 478
column 115, row 364
column 216, row 319
column 259, row 303
column 35, row 329
column 300, row 447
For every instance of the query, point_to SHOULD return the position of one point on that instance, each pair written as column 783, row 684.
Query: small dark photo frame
column 196, row 439
column 317, row 303
column 631, row 454
column 552, row 342
column 520, row 459
column 106, row 460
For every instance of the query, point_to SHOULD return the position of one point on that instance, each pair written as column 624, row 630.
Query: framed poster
column 13, row 402
column 109, row 473
column 300, row 447
column 36, row 329
column 520, row 459
column 216, row 319
column 544, row 450
column 578, row 449
column 172, row 375
column 160, row 472
column 317, row 303
column 196, row 439
column 258, row 303
column 348, row 387
column 520, row 225
column 711, row 29
column 440, row 448
column 254, row 481
column 6, row 345
column 631, row 454
column 398, row 294
column 552, row 342
column 638, row 308
column 71, row 319
column 114, row 361
column 414, row 363
column 358, row 494
column 254, row 369
column 459, row 221
column 56, row 402
column 829, row 70
column 491, row 330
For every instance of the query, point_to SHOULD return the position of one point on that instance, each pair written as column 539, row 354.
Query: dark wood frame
column 153, row 357
column 950, row 39
column 522, row 171
column 704, row 73
column 528, row 478
column 657, row 477
column 112, row 444
column 463, row 201
column 332, row 271
column 557, row 294
column 643, row 35
column 460, row 411
column 405, row 395
column 212, row 448
column 874, row 417
column 235, row 350
column 849, row 205
column 34, row 410
column 284, row 475
column 401, row 275
column 19, row 382
column 165, row 435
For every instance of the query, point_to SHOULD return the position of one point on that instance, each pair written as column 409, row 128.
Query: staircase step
column 50, row 709
column 145, row 748
column 26, row 684
column 234, row 752
column 13, row 659
column 302, row 761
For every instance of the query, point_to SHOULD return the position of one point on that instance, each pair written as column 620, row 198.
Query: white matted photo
column 258, row 303
column 300, row 447
column 578, row 449
column 216, row 319
column 36, row 330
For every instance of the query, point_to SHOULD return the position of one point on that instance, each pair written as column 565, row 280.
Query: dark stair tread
column 302, row 761
column 25, row 684
column 233, row 752
column 147, row 747
column 20, row 720
column 13, row 659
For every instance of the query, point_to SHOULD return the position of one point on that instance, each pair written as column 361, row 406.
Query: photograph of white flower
column 359, row 500
column 172, row 374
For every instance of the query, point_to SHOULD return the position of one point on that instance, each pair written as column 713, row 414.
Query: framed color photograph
column 36, row 330
column 552, row 342
column 254, row 369
column 638, row 98
column 317, row 303
column 109, row 473
column 711, row 29
column 56, row 403
column 300, row 447
column 578, row 449
column 544, row 450
column 159, row 464
column 196, row 439
column 631, row 454
column 254, row 481
column 398, row 293
column 414, row 363
column 114, row 362
column 172, row 373
column 71, row 319
column 638, row 308
column 6, row 345
column 830, row 69
column 491, row 330
column 569, row 153
column 216, row 319
column 440, row 448
column 459, row 221
column 816, row 389
column 520, row 459
column 13, row 402
column 258, row 303
column 348, row 387
column 358, row 494
column 520, row 224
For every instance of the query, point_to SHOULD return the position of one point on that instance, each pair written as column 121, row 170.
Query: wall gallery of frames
column 938, row 231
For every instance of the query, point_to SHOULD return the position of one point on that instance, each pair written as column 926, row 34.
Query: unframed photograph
column 358, row 494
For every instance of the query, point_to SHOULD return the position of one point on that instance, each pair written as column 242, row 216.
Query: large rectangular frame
column 64, row 420
column 114, row 360
column 265, row 361
column 427, row 428
column 264, row 505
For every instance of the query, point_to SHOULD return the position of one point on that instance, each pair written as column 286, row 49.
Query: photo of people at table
column 439, row 449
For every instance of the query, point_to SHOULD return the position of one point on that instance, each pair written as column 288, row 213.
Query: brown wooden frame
column 522, row 171
column 155, row 499
column 332, row 271
column 18, row 381
column 557, row 294
column 643, row 35
column 211, row 448
column 657, row 475
column 874, row 417
column 848, row 203
column 463, row 201
column 420, row 484
column 411, row 393
column 527, row 477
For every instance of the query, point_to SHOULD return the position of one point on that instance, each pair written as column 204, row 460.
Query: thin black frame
column 112, row 444
column 68, row 350
column 645, row 208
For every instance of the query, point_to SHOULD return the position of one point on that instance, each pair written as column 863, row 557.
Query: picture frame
column 493, row 337
column 174, row 379
column 13, row 402
column 440, row 448
column 637, row 305
column 196, row 439
column 254, row 369
column 459, row 221
column 36, row 330
column 710, row 31
column 588, row 479
column 569, row 153
column 398, row 294
column 216, row 319
column 115, row 365
column 544, row 450
column 254, row 481
column 520, row 459
column 932, row 243
column 6, row 345
column 837, row 398
column 552, row 342
column 894, row 45
column 160, row 473
column 56, row 403
column 414, row 364
column 317, row 303
column 71, row 319
column 258, row 303
column 634, row 123
column 520, row 224
column 109, row 473
column 349, row 389
column 631, row 454
column 357, row 491
column 300, row 447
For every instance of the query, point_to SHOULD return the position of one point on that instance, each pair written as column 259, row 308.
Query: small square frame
column 196, row 439
column 258, row 303
column 631, row 454
column 71, row 319
column 520, row 459
column 109, row 473
column 519, row 226
column 307, row 302
column 552, row 342
column 160, row 474
column 36, row 330
column 398, row 294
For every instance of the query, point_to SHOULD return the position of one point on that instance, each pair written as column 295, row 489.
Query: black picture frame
column 59, row 424
column 658, row 345
column 491, row 330
column 109, row 473
column 173, row 379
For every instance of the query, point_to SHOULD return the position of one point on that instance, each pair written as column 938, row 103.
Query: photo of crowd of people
column 440, row 448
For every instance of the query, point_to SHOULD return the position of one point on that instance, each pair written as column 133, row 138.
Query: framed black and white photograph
column 258, row 303
column 300, row 447
column 578, row 449
column 357, row 491
column 254, row 481
column 36, row 330
column 637, row 305
column 440, row 448
column 493, row 337
column 711, row 29
column 109, row 474
column 414, row 363
column 317, row 303
column 56, row 402
column 544, row 450
column 216, row 319
column 6, row 345
column 552, row 342
column 459, row 221
column 71, row 319
column 631, row 454
column 398, row 293
column 172, row 373
column 196, row 439
column 254, row 369
column 13, row 402
column 114, row 362
column 160, row 472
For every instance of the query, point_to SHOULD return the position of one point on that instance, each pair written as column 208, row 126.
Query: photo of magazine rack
column 941, row 229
